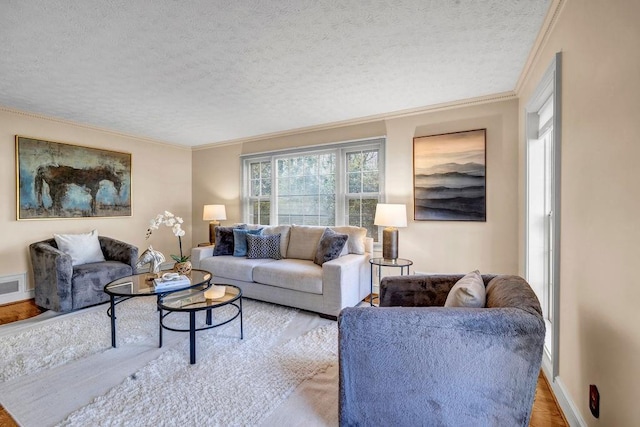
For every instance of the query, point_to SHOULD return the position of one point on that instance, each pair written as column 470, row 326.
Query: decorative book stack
column 163, row 284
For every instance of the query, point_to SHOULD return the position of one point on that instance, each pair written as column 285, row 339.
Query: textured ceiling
column 200, row 72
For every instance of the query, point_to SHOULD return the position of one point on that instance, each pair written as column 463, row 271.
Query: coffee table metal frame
column 193, row 301
column 138, row 285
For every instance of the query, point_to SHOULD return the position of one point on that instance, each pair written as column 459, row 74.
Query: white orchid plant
column 175, row 222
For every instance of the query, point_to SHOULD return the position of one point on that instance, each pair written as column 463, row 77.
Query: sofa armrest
column 116, row 250
column 52, row 274
column 419, row 290
column 438, row 366
column 198, row 254
column 346, row 278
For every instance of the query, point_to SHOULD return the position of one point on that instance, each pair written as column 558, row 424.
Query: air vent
column 9, row 287
column 12, row 288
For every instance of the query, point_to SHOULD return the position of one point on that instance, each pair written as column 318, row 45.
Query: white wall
column 599, row 333
column 434, row 246
column 161, row 179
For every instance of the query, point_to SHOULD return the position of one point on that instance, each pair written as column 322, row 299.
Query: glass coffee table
column 141, row 285
column 193, row 300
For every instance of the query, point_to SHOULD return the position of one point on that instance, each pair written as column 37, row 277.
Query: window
column 339, row 184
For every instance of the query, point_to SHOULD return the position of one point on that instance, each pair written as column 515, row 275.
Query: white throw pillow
column 83, row 248
column 467, row 292
column 355, row 243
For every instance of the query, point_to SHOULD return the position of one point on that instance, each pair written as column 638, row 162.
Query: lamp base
column 212, row 231
column 390, row 243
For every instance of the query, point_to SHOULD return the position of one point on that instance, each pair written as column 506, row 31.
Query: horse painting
column 58, row 179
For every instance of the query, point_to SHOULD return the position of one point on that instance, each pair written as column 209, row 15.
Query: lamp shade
column 391, row 215
column 214, row 213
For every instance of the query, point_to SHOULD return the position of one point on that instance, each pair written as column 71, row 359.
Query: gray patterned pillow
column 330, row 246
column 263, row 246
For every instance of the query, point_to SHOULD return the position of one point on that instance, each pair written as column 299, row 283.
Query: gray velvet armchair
column 414, row 362
column 61, row 287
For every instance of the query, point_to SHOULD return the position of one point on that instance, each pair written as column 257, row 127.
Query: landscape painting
column 449, row 176
column 57, row 180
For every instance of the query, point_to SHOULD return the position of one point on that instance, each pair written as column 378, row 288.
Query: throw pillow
column 83, row 248
column 224, row 240
column 263, row 246
column 303, row 241
column 355, row 243
column 283, row 231
column 240, row 240
column 467, row 292
column 330, row 246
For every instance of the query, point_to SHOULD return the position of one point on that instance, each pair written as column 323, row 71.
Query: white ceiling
column 201, row 72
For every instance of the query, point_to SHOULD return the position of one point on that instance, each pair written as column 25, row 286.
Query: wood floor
column 546, row 412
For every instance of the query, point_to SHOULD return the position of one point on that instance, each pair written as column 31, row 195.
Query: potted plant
column 183, row 265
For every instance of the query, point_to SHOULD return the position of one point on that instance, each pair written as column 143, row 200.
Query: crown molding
column 497, row 97
column 543, row 36
column 92, row 128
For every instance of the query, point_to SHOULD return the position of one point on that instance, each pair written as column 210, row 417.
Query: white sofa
column 295, row 280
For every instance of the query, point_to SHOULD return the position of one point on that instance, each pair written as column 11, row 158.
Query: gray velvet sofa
column 61, row 287
column 414, row 362
column 295, row 280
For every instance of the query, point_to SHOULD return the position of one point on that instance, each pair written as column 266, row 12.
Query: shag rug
column 65, row 367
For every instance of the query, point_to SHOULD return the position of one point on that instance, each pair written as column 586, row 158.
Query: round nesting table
column 193, row 300
column 140, row 285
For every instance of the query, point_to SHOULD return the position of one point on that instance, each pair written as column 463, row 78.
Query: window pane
column 370, row 182
column 266, row 170
column 355, row 182
column 265, row 188
column 370, row 162
column 361, row 213
column 255, row 170
column 255, row 187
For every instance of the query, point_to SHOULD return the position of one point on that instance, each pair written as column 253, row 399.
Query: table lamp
column 390, row 216
column 213, row 214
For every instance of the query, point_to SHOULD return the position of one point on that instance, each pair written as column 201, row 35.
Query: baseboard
column 569, row 408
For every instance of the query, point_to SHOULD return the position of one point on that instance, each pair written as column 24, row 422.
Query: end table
column 400, row 263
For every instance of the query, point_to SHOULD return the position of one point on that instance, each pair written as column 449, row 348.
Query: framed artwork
column 56, row 180
column 449, row 182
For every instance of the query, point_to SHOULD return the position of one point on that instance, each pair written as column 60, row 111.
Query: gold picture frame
column 56, row 180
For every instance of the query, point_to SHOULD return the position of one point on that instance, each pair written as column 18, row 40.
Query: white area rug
column 284, row 371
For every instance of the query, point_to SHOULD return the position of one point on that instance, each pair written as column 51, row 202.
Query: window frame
column 341, row 149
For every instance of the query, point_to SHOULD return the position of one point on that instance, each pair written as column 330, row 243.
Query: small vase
column 183, row 267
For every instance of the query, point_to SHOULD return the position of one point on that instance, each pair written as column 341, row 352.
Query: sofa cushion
column 240, row 240
column 467, row 292
column 303, row 241
column 224, row 240
column 283, row 231
column 330, row 246
column 296, row 274
column 231, row 267
column 83, row 248
column 355, row 243
column 263, row 246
